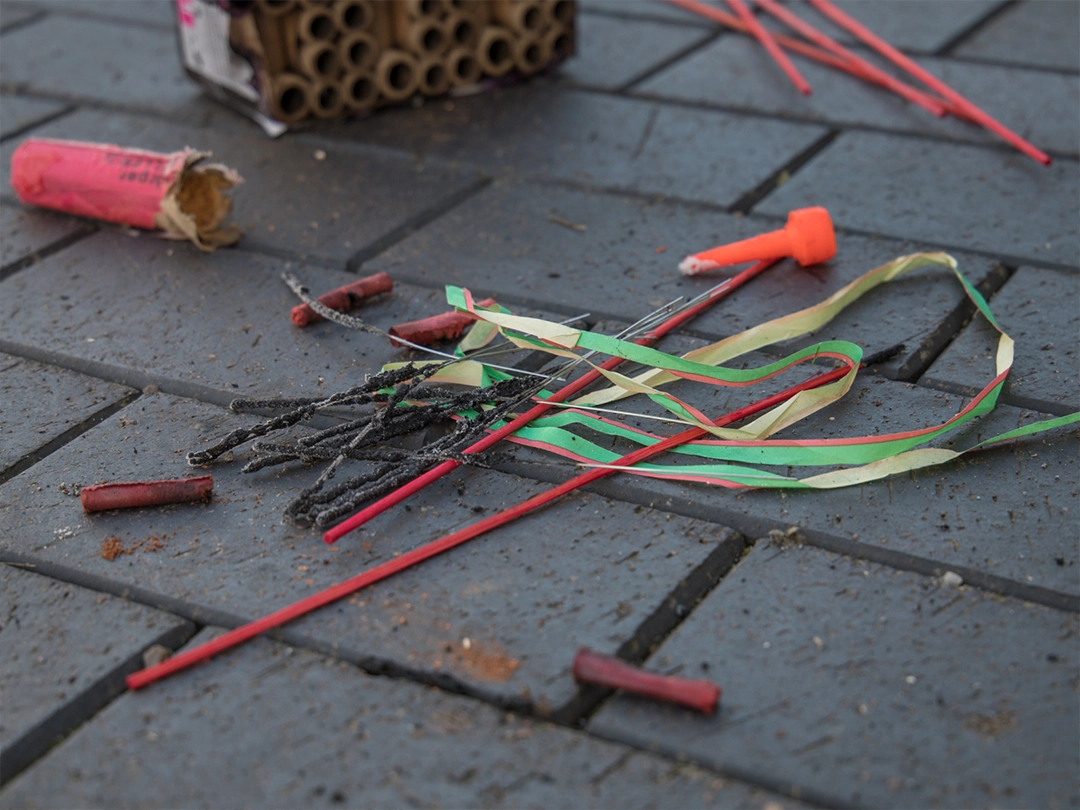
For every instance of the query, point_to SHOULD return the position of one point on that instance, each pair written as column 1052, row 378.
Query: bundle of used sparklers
column 486, row 401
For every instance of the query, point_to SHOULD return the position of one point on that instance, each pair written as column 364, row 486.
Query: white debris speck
column 951, row 579
column 911, row 680
column 319, row 154
column 466, row 643
column 819, row 643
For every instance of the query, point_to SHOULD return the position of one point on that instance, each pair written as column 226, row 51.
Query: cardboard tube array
column 324, row 58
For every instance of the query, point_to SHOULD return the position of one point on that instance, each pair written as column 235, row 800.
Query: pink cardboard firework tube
column 171, row 193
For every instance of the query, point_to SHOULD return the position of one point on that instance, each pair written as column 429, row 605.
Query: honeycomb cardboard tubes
column 463, row 67
column 562, row 11
column 423, row 36
column 325, row 100
column 353, row 15
column 358, row 89
column 382, row 27
column 495, row 51
column 359, row 51
column 530, row 54
column 424, row 8
column 319, row 61
column 480, row 12
column 559, row 42
column 522, row 17
column 434, row 77
column 396, row 75
column 289, row 98
column 316, row 23
column 272, row 35
column 276, row 8
column 461, row 31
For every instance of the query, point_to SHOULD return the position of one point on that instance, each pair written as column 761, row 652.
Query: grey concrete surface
column 66, row 650
column 42, row 403
column 140, row 67
column 27, row 235
column 572, row 193
column 18, row 112
column 904, row 692
column 906, row 24
column 996, row 201
column 609, row 53
column 379, row 743
column 1027, row 34
column 649, row 149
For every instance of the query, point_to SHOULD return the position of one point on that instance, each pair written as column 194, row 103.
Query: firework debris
column 344, row 298
column 130, row 494
column 437, row 328
column 603, row 670
column 397, row 402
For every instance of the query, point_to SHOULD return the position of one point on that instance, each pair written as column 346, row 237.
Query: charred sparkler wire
column 402, row 403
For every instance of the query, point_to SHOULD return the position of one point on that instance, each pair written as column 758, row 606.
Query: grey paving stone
column 1027, row 34
column 640, row 9
column 27, row 232
column 1004, row 516
column 160, row 13
column 595, row 139
column 14, row 14
column 42, row 402
column 610, row 50
column 66, row 649
column 19, row 112
column 146, row 311
column 98, row 61
column 1016, row 97
column 290, row 199
column 317, row 733
column 875, row 686
column 584, row 572
column 951, row 195
column 906, row 24
column 625, row 263
column 1037, row 308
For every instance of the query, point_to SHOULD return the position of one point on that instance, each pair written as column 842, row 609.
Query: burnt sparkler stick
column 437, row 472
column 867, row 37
column 762, row 35
column 855, row 68
column 387, row 569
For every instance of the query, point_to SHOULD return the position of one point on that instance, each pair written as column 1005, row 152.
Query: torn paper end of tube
column 168, row 192
column 692, row 265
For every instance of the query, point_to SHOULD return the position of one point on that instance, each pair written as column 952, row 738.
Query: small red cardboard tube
column 344, row 298
column 603, row 670
column 129, row 494
column 429, row 331
column 132, row 187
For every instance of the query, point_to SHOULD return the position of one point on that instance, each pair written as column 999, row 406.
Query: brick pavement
column 853, row 672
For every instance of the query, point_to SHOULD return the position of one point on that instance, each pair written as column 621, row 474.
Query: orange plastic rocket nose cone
column 808, row 238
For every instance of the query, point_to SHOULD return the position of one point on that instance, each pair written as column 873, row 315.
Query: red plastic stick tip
column 808, row 238
column 603, row 670
column 129, row 494
column 437, row 328
column 344, row 298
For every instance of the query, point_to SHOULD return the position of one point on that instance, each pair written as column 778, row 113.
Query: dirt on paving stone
column 113, row 547
column 486, row 661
